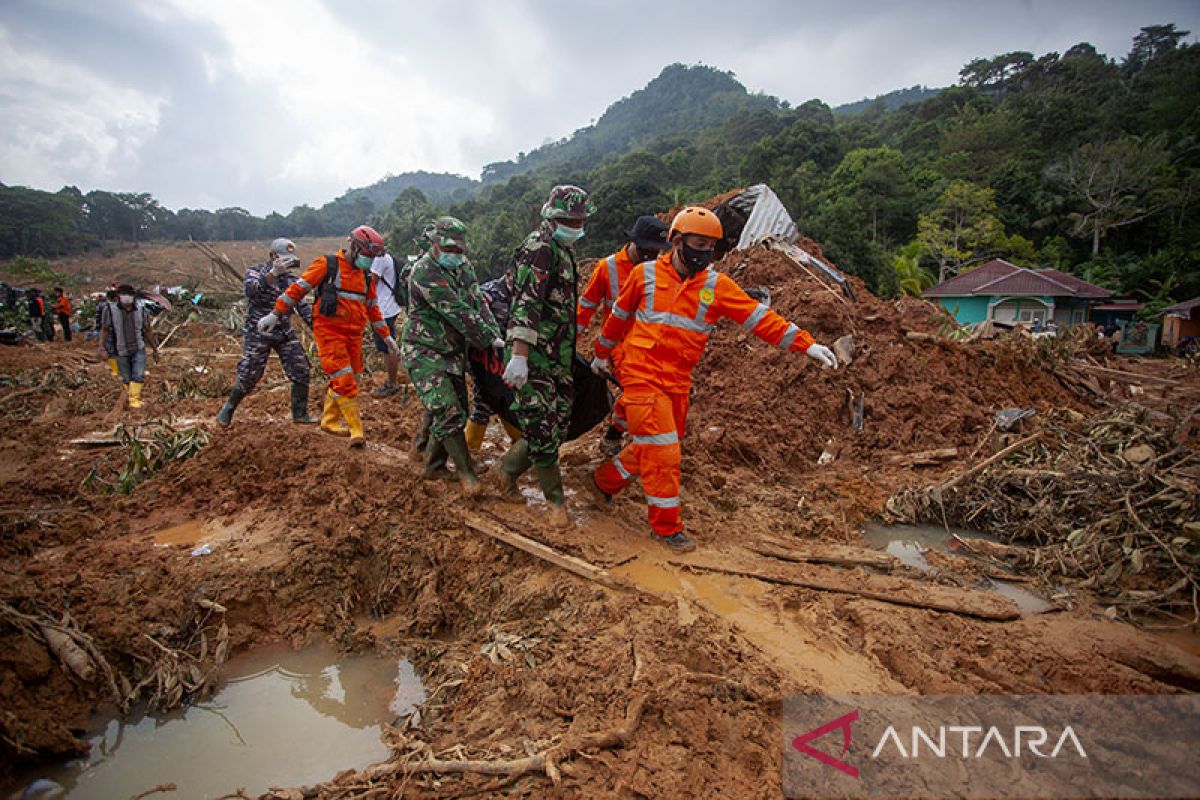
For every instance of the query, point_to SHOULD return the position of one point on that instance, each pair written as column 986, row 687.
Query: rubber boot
column 225, row 415
column 456, row 445
column 550, row 479
column 349, row 408
column 299, row 405
column 512, row 467
column 435, row 461
column 514, row 433
column 421, row 436
column 135, row 394
column 474, row 434
column 112, row 367
column 331, row 416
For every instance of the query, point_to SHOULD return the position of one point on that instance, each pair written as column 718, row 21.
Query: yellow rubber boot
column 135, row 394
column 514, row 433
column 331, row 416
column 349, row 408
column 474, row 433
column 112, row 367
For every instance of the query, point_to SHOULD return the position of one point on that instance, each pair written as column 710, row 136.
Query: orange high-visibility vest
column 356, row 299
column 665, row 321
column 608, row 276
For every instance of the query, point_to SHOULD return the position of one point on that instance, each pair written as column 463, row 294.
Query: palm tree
column 911, row 277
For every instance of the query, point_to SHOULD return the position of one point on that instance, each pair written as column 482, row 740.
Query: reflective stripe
column 287, row 299
column 305, row 285
column 662, row 502
column 613, row 288
column 620, row 424
column 609, row 343
column 789, row 336
column 372, row 303
column 657, row 438
column 650, row 277
column 621, row 313
column 339, row 373
column 624, row 473
column 351, row 295
column 583, row 301
column 673, row 321
column 755, row 317
column 710, row 283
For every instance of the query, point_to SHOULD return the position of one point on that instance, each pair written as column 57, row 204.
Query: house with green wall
column 1009, row 295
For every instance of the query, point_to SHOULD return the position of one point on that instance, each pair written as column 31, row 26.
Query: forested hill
column 1078, row 160
column 887, row 102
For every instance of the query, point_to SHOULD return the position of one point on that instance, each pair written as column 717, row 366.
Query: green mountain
column 439, row 187
column 888, row 102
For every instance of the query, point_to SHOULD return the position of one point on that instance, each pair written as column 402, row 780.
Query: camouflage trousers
column 256, row 348
column 442, row 387
column 543, row 410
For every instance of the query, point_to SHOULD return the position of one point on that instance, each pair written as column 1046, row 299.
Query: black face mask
column 695, row 260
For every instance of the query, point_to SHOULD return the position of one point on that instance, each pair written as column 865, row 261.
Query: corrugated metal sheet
column 768, row 217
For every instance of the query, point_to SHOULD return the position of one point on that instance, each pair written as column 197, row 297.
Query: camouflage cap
column 568, row 202
column 449, row 232
column 424, row 239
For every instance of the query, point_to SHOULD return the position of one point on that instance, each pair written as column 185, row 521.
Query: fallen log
column 987, row 462
column 924, row 458
column 576, row 566
column 884, row 588
column 836, row 554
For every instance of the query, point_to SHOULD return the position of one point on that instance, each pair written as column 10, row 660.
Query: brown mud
column 309, row 540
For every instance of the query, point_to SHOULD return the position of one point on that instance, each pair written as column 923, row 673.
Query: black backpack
column 327, row 289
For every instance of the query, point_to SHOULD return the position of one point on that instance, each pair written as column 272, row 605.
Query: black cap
column 648, row 233
column 125, row 288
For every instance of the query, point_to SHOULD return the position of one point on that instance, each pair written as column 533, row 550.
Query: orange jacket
column 664, row 322
column 608, row 276
column 63, row 305
column 356, row 301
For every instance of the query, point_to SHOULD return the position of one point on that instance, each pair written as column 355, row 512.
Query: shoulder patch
column 707, row 295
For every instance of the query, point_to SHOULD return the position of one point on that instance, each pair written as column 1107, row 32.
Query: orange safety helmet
column 698, row 221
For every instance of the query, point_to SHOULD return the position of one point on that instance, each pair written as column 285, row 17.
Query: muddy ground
column 311, row 540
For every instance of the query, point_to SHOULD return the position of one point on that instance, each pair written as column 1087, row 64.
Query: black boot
column 435, row 461
column 225, row 415
column 300, row 405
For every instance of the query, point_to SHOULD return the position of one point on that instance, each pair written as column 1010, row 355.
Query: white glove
column 392, row 347
column 497, row 344
column 600, row 366
column 517, row 372
column 822, row 355
column 268, row 323
column 283, row 264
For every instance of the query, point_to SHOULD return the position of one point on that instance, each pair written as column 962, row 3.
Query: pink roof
column 1186, row 305
column 999, row 277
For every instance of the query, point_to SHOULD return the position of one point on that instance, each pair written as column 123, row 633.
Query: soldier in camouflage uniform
column 263, row 284
column 423, row 241
column 541, row 334
column 445, row 314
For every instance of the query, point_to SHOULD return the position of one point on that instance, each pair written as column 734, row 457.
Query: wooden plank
column 1128, row 376
column 576, row 566
column 924, row 457
column 837, row 554
column 884, row 588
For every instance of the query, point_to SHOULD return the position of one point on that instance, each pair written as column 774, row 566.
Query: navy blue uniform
column 262, row 290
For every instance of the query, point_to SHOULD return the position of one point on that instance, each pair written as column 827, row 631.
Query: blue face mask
column 363, row 261
column 450, row 259
column 567, row 236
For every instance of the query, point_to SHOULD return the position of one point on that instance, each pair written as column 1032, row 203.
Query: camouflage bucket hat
column 568, row 202
column 424, row 239
column 449, row 232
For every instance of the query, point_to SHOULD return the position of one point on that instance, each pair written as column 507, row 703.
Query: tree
column 1117, row 184
column 962, row 229
column 1152, row 42
column 911, row 277
column 406, row 218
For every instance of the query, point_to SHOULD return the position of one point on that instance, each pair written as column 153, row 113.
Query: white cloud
column 66, row 125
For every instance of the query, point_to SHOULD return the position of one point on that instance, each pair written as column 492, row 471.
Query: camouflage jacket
column 542, row 313
column 262, row 290
column 446, row 312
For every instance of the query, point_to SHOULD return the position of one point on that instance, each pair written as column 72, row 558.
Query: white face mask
column 126, row 299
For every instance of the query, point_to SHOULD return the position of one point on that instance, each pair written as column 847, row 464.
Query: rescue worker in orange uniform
column 664, row 315
column 647, row 239
column 345, row 301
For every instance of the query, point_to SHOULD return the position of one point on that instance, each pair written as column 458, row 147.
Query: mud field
column 662, row 679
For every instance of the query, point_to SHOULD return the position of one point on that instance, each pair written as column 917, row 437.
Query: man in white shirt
column 390, row 295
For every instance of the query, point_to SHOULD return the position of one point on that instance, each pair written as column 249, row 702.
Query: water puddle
column 190, row 533
column 908, row 543
column 283, row 718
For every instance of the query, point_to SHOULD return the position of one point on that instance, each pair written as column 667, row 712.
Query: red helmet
column 367, row 241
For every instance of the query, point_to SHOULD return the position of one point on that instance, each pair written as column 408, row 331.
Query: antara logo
column 1033, row 738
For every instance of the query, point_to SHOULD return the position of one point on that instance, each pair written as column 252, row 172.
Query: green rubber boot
column 300, row 405
column 456, row 445
column 512, row 467
column 551, row 482
column 225, row 415
column 435, row 461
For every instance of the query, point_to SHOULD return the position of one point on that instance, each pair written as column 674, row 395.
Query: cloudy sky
column 267, row 104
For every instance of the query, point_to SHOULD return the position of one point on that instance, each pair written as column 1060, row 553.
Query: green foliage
column 36, row 271
column 145, row 455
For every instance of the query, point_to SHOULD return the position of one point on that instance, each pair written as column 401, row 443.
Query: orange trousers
column 656, row 423
column 340, row 350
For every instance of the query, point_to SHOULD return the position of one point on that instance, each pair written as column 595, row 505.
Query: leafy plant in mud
column 145, row 455
column 197, row 380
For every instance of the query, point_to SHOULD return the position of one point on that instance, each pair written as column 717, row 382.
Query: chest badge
column 707, row 295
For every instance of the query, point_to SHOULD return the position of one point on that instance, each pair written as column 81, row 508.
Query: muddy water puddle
column 282, row 718
column 909, row 543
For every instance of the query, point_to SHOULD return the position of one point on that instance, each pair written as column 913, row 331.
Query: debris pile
column 1110, row 503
